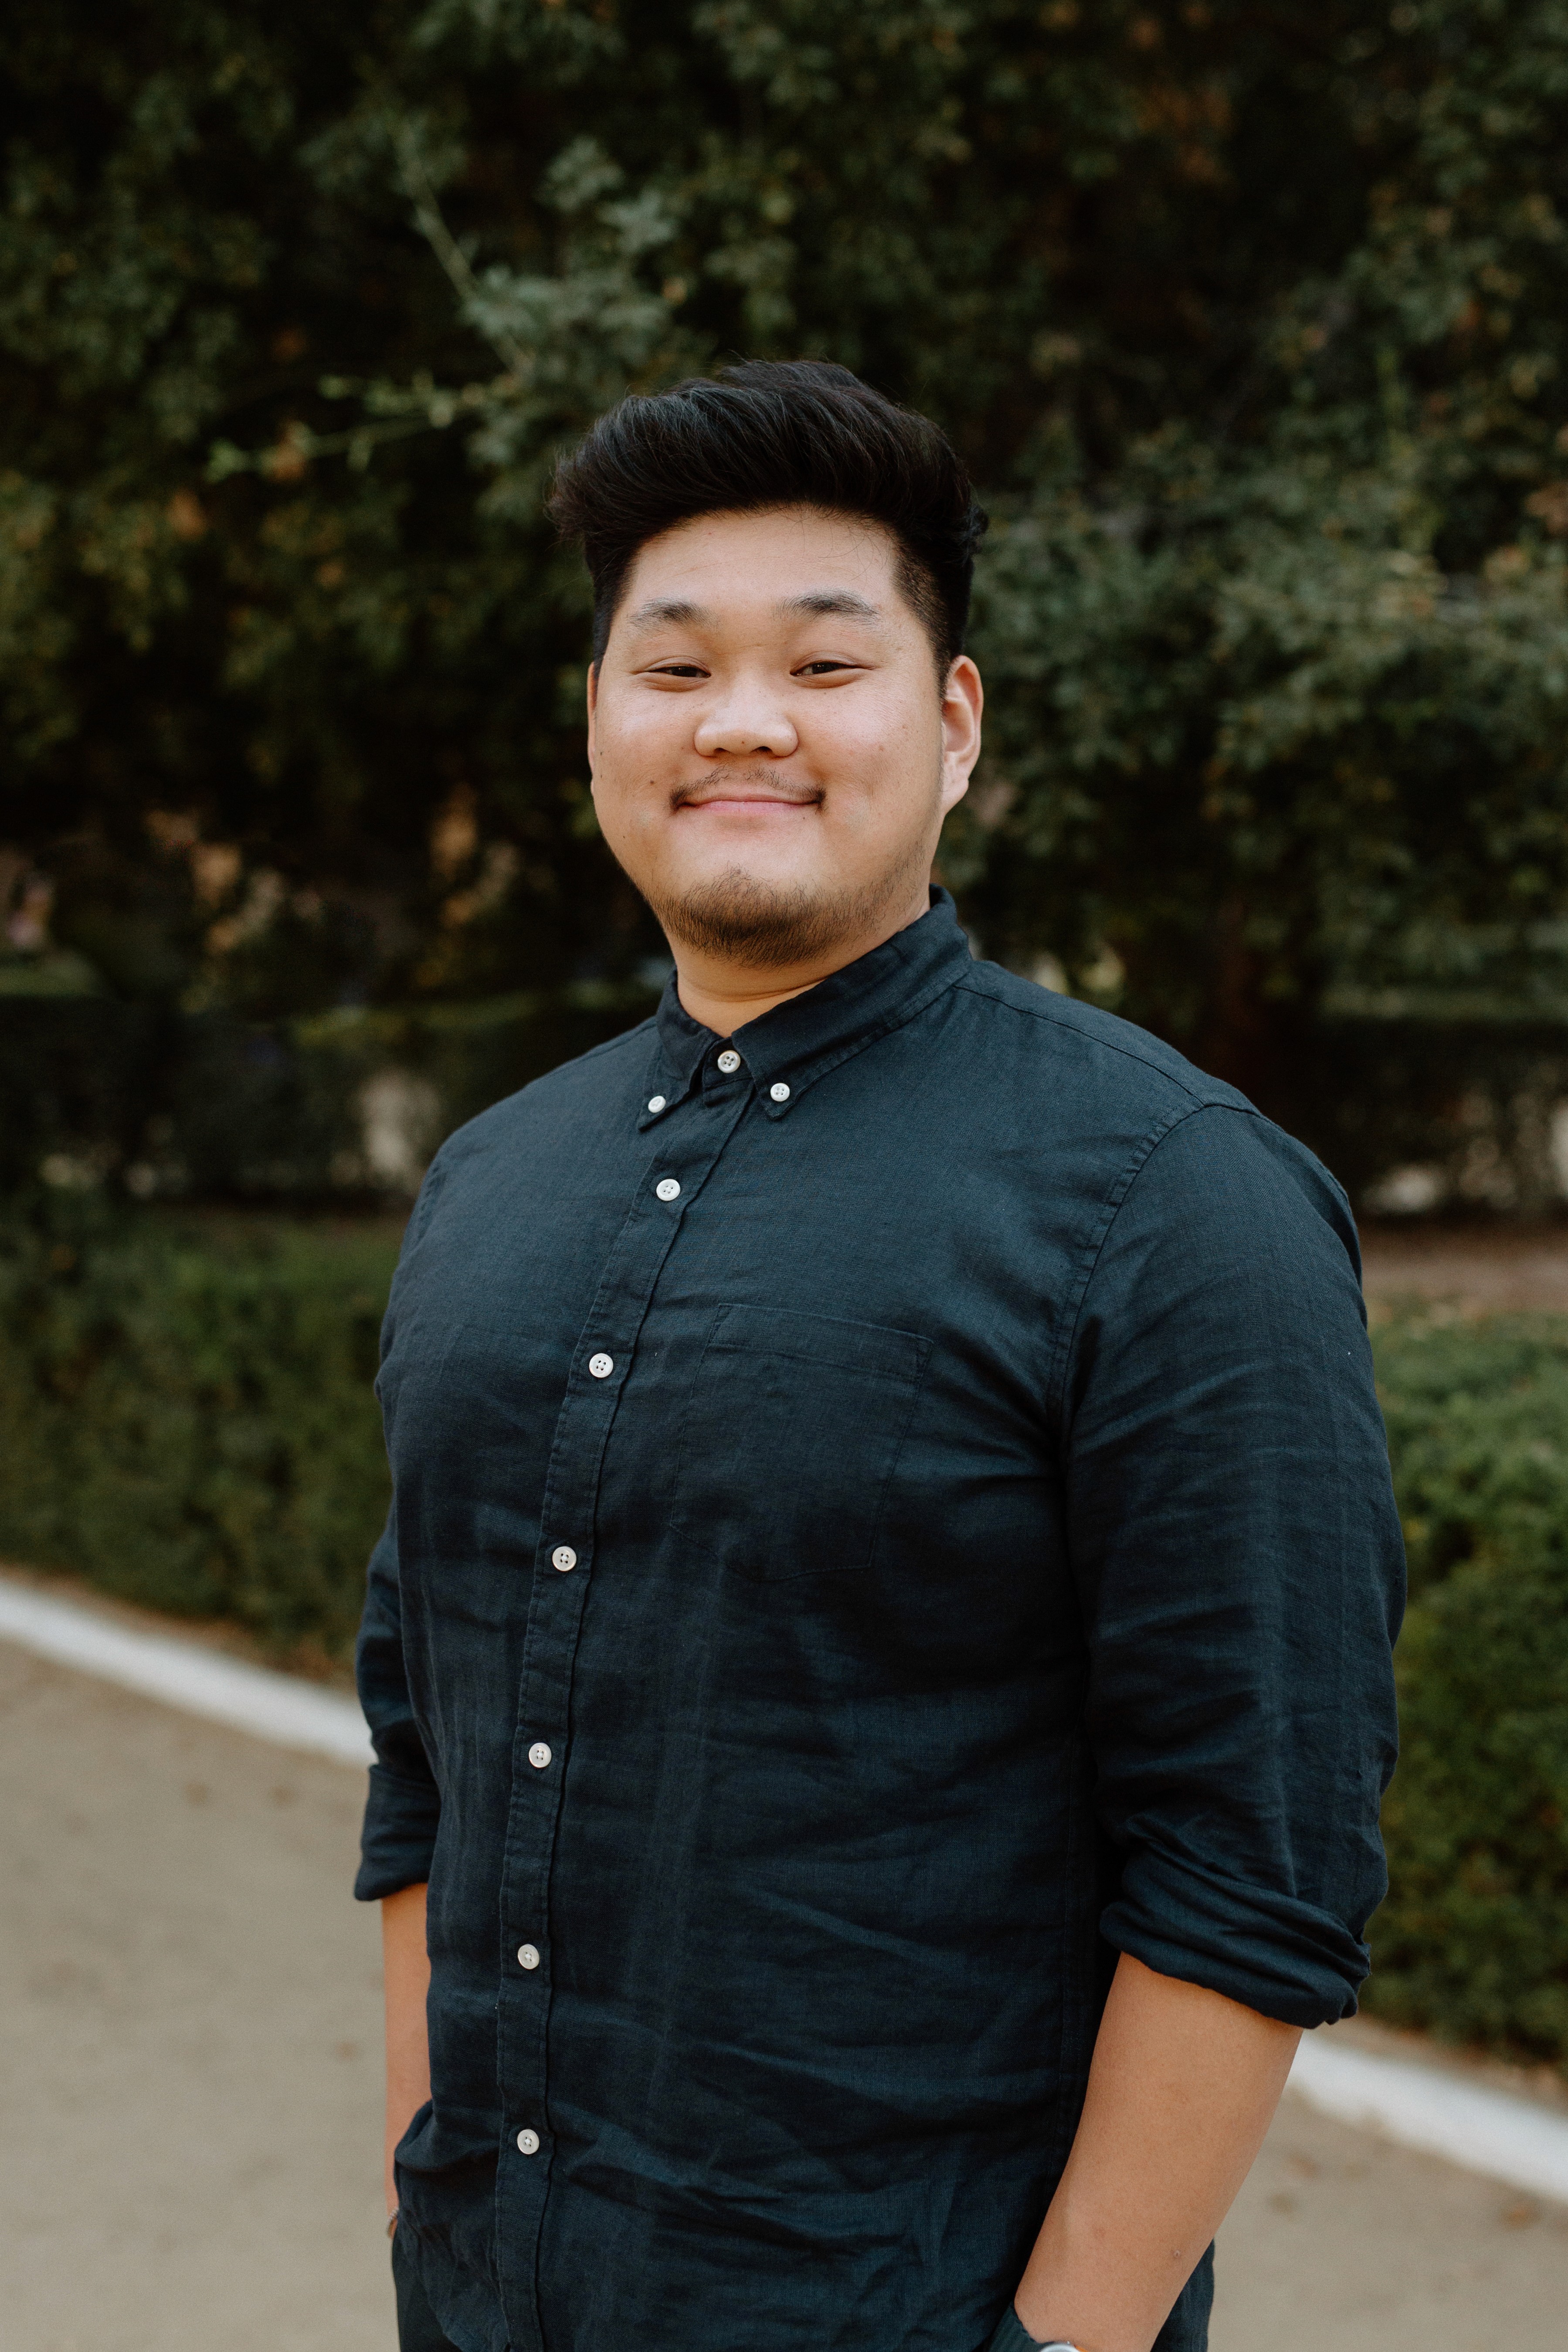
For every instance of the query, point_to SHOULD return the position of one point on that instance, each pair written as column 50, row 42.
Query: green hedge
column 1473, row 1940
column 188, row 1421
column 188, row 1418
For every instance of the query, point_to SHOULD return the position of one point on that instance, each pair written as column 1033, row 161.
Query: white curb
column 1485, row 2131
column 279, row 1707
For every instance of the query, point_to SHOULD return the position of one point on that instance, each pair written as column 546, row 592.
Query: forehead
column 783, row 561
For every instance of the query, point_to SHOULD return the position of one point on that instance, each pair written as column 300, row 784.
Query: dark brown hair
column 773, row 433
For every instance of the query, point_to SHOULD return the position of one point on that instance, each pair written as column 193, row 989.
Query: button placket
column 627, row 1284
column 664, row 1091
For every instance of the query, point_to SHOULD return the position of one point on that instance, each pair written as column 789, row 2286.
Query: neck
column 724, row 994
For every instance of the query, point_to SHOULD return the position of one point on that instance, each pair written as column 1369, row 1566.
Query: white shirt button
column 779, row 1091
column 729, row 1062
column 667, row 1189
column 528, row 1956
column 539, row 1755
column 601, row 1366
column 656, row 1102
column 563, row 1558
column 528, row 2141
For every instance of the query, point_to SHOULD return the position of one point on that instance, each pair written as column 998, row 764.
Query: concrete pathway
column 189, row 2036
column 189, row 2078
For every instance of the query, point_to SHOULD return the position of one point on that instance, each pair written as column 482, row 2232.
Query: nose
column 745, row 719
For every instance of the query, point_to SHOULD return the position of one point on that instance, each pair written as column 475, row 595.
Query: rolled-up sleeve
column 404, row 1806
column 1240, row 1566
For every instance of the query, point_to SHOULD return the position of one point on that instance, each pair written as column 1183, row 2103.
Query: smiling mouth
column 744, row 800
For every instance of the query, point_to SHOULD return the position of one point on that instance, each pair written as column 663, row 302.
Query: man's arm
column 1236, row 1554
column 407, row 1969
column 1182, row 2088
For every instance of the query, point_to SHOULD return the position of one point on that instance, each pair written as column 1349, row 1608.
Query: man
column 880, row 1653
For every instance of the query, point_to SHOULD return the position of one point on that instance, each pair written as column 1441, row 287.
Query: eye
column 823, row 668
column 679, row 669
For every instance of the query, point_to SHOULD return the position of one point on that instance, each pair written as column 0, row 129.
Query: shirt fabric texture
column 880, row 1528
column 418, row 2329
column 1011, row 2336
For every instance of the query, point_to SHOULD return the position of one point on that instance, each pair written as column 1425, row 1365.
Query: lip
column 734, row 800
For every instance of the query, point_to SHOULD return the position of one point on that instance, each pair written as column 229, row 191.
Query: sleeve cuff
column 399, row 1841
column 1268, row 1950
column 1011, row 2336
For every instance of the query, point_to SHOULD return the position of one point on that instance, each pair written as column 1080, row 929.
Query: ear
column 593, row 709
column 963, row 701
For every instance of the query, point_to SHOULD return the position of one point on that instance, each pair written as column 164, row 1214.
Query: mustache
column 758, row 783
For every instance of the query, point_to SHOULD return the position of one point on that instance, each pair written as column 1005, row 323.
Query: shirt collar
column 788, row 1049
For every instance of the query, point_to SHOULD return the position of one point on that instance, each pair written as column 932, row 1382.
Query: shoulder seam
column 1111, row 1046
column 605, row 1045
column 575, row 1061
column 1115, row 1200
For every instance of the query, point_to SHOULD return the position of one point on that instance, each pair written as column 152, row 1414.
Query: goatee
column 763, row 925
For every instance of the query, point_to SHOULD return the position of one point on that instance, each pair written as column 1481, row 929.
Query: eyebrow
column 826, row 603
column 818, row 603
column 668, row 611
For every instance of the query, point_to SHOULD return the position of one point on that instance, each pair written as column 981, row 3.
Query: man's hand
column 406, row 1972
column 1183, row 2087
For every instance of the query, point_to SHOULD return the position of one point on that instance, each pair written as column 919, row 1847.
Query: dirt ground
column 189, row 2074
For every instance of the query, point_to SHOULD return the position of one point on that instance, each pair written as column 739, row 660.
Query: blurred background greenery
column 1249, row 318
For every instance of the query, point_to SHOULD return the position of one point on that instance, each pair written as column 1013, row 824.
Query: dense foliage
column 189, row 1417
column 189, row 1424
column 1249, row 315
column 1473, row 1939
column 1478, row 1433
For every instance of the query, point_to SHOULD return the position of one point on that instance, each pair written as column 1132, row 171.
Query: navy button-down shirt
column 881, row 1525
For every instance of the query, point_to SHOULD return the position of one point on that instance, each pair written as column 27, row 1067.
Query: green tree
column 1247, row 317
column 1282, row 689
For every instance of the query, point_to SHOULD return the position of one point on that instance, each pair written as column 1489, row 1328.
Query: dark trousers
column 418, row 2329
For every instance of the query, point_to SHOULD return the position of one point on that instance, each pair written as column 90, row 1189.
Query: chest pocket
column 793, row 1432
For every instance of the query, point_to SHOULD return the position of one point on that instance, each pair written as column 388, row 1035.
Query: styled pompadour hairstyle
column 770, row 434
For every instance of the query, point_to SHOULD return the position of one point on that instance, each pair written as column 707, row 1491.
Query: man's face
column 772, row 754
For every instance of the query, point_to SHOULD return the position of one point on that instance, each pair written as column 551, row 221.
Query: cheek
column 882, row 758
column 629, row 756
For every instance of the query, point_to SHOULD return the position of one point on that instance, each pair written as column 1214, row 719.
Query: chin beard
column 757, row 923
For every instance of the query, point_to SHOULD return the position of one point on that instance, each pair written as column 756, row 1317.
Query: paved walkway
column 189, row 2075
